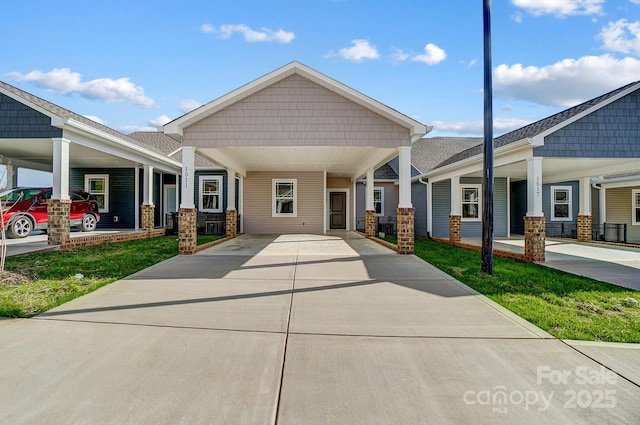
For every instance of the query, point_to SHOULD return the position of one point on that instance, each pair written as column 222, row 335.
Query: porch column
column 370, row 212
column 405, row 214
column 455, row 217
column 187, row 213
column 148, row 208
column 534, row 221
column 231, row 219
column 59, row 206
column 584, row 222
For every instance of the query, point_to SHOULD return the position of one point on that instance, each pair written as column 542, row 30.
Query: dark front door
column 338, row 210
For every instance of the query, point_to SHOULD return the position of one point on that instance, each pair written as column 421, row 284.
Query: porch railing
column 610, row 232
column 386, row 225
column 561, row 230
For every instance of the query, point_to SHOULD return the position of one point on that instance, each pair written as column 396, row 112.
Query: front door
column 338, row 210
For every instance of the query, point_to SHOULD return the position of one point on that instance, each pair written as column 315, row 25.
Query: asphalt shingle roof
column 167, row 145
column 537, row 127
column 385, row 173
column 429, row 152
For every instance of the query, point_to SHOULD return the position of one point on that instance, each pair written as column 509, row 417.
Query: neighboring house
column 297, row 142
column 123, row 174
column 565, row 175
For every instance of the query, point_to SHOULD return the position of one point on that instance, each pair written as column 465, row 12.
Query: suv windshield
column 19, row 195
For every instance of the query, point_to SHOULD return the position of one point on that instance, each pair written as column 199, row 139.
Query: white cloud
column 250, row 35
column 161, row 120
column 560, row 8
column 360, row 50
column 62, row 80
column 399, row 55
column 127, row 129
column 432, row 55
column 500, row 126
column 188, row 105
column 621, row 36
column 94, row 118
column 567, row 82
column 635, row 1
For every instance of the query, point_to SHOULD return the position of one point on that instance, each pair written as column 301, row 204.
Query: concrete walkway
column 618, row 265
column 298, row 329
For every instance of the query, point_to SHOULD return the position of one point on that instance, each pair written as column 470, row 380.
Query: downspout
column 426, row 183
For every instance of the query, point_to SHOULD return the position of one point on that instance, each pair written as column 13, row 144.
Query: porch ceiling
column 337, row 161
column 38, row 154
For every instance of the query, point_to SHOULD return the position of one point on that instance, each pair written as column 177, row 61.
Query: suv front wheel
column 89, row 223
column 20, row 228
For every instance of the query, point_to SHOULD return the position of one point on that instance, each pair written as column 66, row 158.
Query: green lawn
column 565, row 305
column 53, row 279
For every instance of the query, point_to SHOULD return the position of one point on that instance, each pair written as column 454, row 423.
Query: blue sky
column 136, row 64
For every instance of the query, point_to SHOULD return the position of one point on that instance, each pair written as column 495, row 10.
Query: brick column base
column 584, row 225
column 370, row 223
column 231, row 224
column 405, row 230
column 148, row 211
column 534, row 237
column 187, row 231
column 59, row 225
column 455, row 228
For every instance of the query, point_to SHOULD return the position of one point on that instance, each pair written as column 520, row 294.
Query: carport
column 40, row 135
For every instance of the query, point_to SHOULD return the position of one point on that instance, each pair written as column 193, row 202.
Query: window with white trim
column 284, row 194
column 98, row 186
column 378, row 200
column 635, row 205
column 210, row 193
column 561, row 203
column 471, row 202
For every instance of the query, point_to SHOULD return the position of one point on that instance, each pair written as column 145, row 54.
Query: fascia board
column 115, row 145
column 475, row 163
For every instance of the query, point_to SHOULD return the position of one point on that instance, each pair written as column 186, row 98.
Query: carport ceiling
column 337, row 161
column 39, row 152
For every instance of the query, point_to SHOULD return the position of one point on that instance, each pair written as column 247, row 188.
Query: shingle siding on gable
column 18, row 121
column 610, row 132
column 295, row 111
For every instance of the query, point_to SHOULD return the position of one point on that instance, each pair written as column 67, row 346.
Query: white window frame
column 201, row 194
column 552, row 213
column 274, row 198
column 87, row 187
column 381, row 202
column 478, row 187
column 635, row 194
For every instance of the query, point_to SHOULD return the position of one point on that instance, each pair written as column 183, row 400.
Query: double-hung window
column 561, row 203
column 284, row 194
column 210, row 193
column 98, row 186
column 471, row 202
column 378, row 200
column 635, row 204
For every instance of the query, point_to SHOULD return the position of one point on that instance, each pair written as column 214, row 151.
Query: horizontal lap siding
column 258, row 204
column 441, row 208
column 619, row 210
column 419, row 201
column 575, row 201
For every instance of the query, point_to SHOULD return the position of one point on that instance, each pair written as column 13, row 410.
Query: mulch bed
column 13, row 279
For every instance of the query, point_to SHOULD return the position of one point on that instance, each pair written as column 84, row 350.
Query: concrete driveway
column 298, row 329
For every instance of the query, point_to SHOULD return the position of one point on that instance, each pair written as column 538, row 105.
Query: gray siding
column 225, row 185
column 390, row 204
column 575, row 201
column 419, row 200
column 441, row 208
column 19, row 121
column 295, row 112
column 609, row 132
column 472, row 229
column 595, row 206
column 121, row 195
column 500, row 208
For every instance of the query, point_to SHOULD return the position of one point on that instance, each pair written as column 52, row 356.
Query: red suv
column 25, row 209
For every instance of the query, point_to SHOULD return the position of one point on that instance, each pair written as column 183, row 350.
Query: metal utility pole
column 487, row 171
